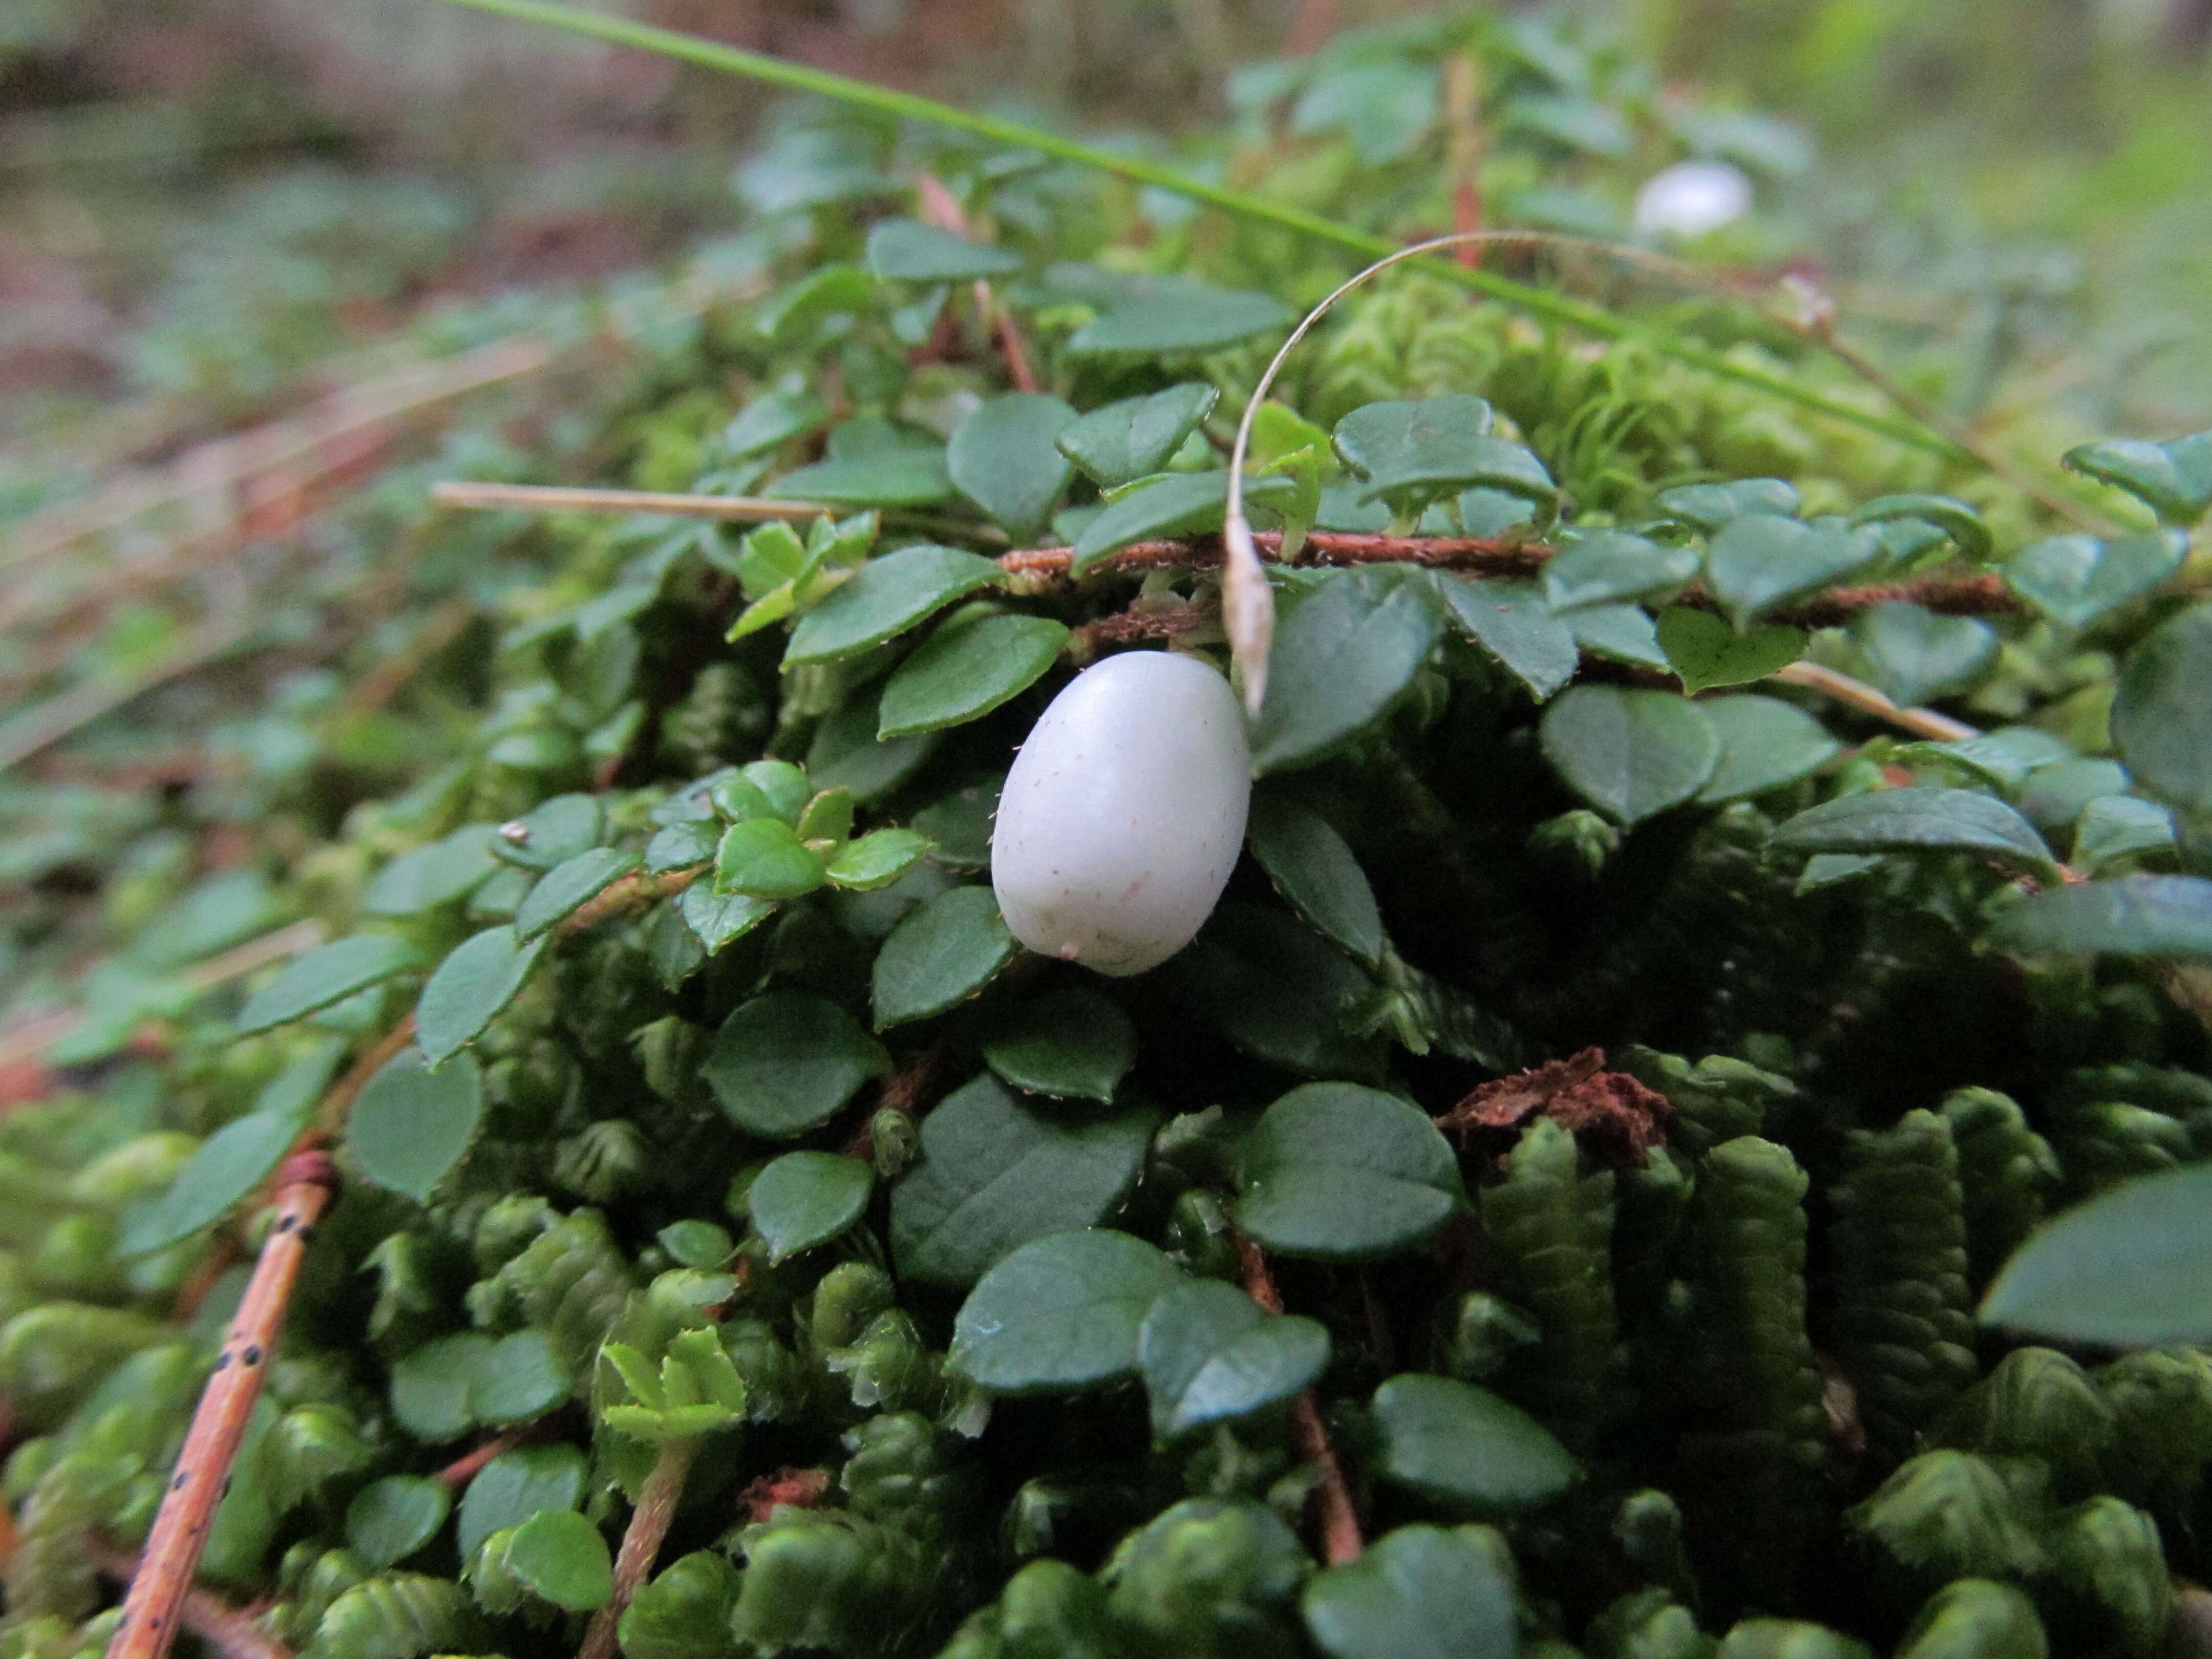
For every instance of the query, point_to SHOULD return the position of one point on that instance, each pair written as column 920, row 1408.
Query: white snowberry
column 1124, row 813
column 1692, row 198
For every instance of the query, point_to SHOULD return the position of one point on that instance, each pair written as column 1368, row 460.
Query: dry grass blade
column 557, row 498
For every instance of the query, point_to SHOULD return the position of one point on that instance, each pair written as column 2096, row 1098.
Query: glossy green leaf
column 1313, row 868
column 1758, row 560
column 1417, row 1593
column 2131, row 916
column 1133, row 438
column 1340, row 658
column 1208, row 1352
column 1335, row 1172
column 804, row 1199
column 1174, row 317
column 1629, row 754
column 764, row 858
column 1954, row 518
column 684, row 1613
column 996, row 1172
column 478, row 979
column 940, row 956
column 1173, row 504
column 1415, row 446
column 1070, row 1042
column 1915, row 820
column 1765, row 743
column 790, row 314
column 517, row 1484
column 899, row 477
column 551, row 833
column 441, row 1389
column 771, row 420
column 2162, row 716
column 876, row 859
column 694, row 1243
column 2174, row 479
column 1277, row 990
column 426, row 876
column 1061, row 1312
column 390, row 1519
column 1914, row 654
column 960, row 823
column 1705, row 652
column 905, row 251
column 1004, row 457
column 564, row 1559
column 2132, row 1267
column 568, row 886
column 410, row 1126
column 827, row 816
column 787, row 1062
column 2076, row 578
column 1709, row 506
column 884, row 597
column 681, row 846
column 1619, row 633
column 1612, row 567
column 1510, row 620
column 1466, row 1448
column 967, row 668
column 2119, row 826
column 328, row 974
column 846, row 753
column 717, row 919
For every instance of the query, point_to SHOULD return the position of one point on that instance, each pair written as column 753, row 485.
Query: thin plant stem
column 1857, row 694
column 1339, row 1521
column 642, row 1542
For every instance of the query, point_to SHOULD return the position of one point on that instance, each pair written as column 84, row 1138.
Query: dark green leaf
column 1060, row 1313
column 1611, row 567
column 774, row 419
column 996, row 1172
column 1173, row 504
column 792, row 314
column 1758, row 560
column 1312, row 867
column 1915, row 820
column 1340, row 658
column 1765, row 743
column 2162, row 716
column 2118, row 826
column 903, row 250
column 1174, row 317
column 717, row 919
column 552, row 833
column 563, row 1558
column 804, row 1199
column 1510, row 620
column 764, row 858
column 784, row 1063
column 897, row 477
column 1419, row 1593
column 1710, row 506
column 1630, row 753
column 1004, row 459
column 878, row 858
column 684, row 1613
column 1705, row 652
column 410, row 1126
column 1129, row 440
column 1462, row 1446
column 1207, row 1352
column 967, row 668
column 568, row 886
column 390, row 1519
column 2132, row 916
column 694, row 1244
column 515, row 1485
column 1335, row 1172
column 2173, row 479
column 471, row 986
column 1577, row 122
column 1276, row 989
column 329, row 973
column 429, row 876
column 1384, row 107
column 1070, row 1042
column 1952, row 517
column 846, row 753
column 960, row 823
column 516, row 1378
column 2073, row 580
column 681, row 846
column 214, row 915
column 884, row 597
column 1620, row 633
column 440, row 1388
column 1415, row 446
column 940, row 956
column 827, row 816
column 1914, row 654
column 2132, row 1267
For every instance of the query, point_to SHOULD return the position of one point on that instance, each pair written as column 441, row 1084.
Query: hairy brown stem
column 1340, row 1522
column 642, row 1542
column 230, row 1631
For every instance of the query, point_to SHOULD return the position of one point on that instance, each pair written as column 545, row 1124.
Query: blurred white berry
column 1692, row 198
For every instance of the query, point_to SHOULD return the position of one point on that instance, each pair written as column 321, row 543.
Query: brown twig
column 457, row 1475
column 1984, row 595
column 1340, row 1522
column 1857, row 694
column 1498, row 555
column 230, row 1631
column 305, row 1182
column 561, row 498
column 940, row 208
column 627, row 894
column 642, row 1542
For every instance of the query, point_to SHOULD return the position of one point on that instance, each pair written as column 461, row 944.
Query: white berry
column 1692, row 198
column 1124, row 813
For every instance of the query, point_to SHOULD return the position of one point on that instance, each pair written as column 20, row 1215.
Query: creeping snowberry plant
column 1650, row 1101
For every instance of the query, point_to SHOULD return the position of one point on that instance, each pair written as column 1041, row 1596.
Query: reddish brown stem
column 230, row 1631
column 642, row 1542
column 1496, row 556
column 457, row 1475
column 1339, row 1522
